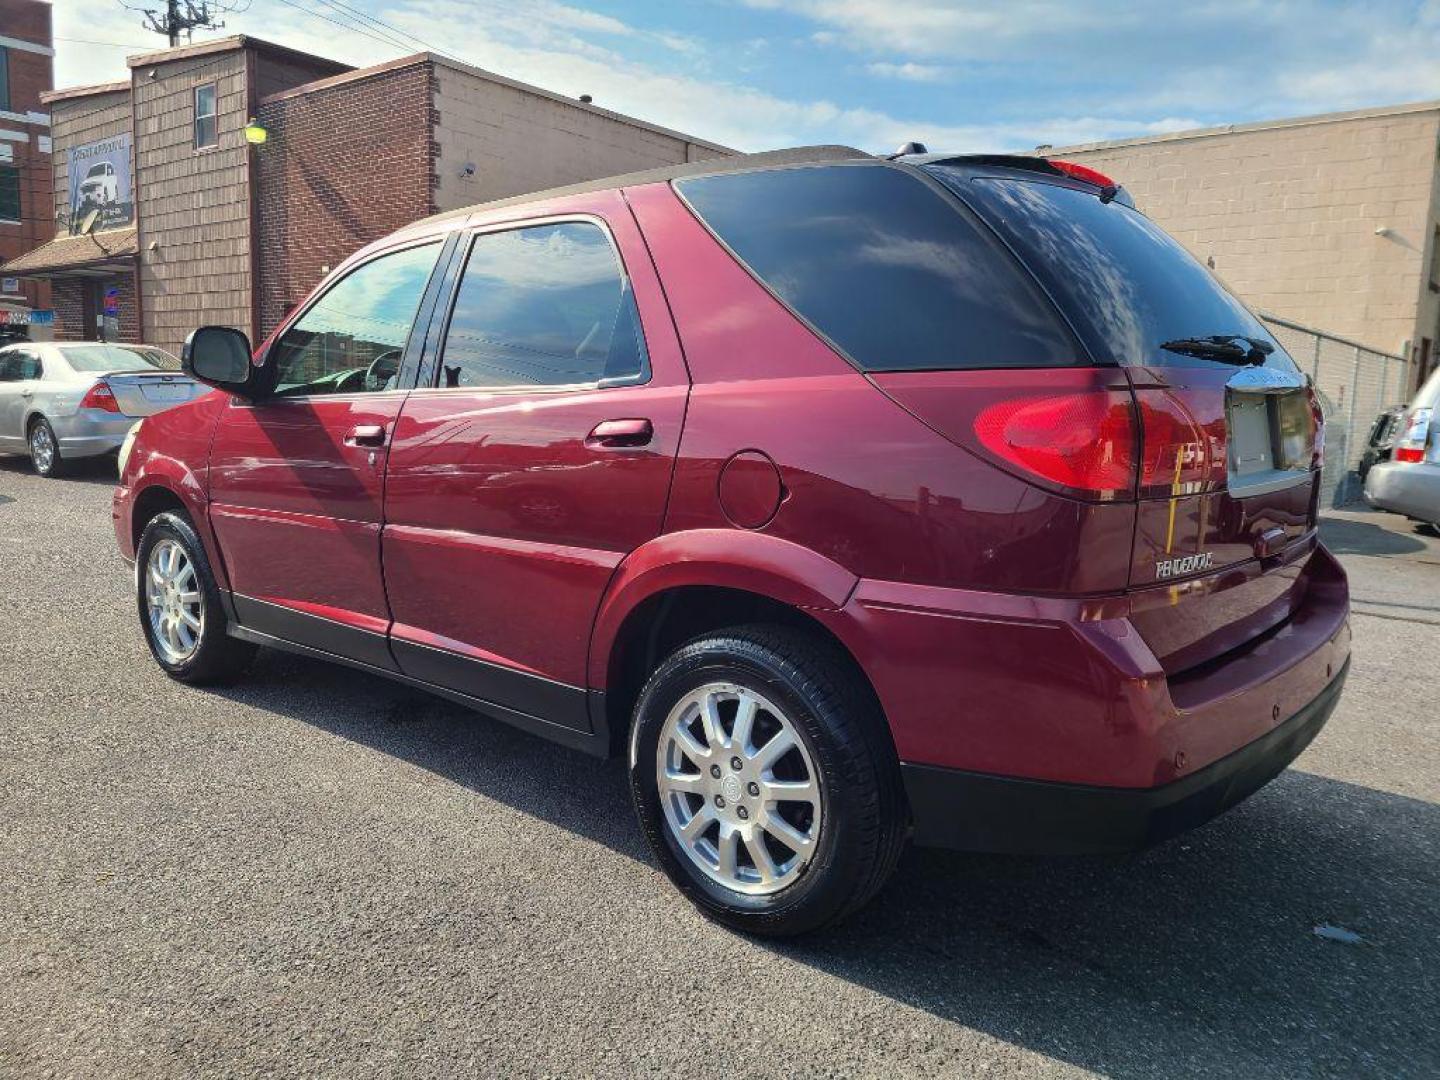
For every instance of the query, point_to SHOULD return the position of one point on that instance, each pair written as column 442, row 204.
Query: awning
column 95, row 253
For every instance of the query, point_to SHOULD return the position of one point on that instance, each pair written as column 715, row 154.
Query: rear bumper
column 978, row 812
column 90, row 432
column 1409, row 488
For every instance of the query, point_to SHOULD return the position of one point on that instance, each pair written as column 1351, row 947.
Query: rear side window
column 547, row 305
column 895, row 274
column 1120, row 278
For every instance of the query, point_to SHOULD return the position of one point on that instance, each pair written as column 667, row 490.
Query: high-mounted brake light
column 101, row 397
column 1084, row 173
column 1082, row 441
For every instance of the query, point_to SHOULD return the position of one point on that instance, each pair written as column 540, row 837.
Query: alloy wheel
column 174, row 601
column 42, row 447
column 739, row 791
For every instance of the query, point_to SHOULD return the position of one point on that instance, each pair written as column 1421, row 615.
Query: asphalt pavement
column 322, row 873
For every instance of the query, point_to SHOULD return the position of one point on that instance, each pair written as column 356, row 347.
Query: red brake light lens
column 1084, row 173
column 1409, row 453
column 100, row 396
column 1082, row 441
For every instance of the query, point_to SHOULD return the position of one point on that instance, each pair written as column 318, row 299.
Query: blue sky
column 756, row 74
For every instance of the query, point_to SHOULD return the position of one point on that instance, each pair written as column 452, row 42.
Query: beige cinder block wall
column 521, row 139
column 1289, row 211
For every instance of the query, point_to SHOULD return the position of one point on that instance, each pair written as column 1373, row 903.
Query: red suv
column 852, row 500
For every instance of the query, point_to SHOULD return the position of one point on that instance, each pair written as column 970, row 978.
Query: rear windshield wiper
column 1225, row 347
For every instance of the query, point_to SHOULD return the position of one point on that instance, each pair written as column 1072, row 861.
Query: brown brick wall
column 343, row 165
column 30, row 73
column 69, row 310
column 69, row 307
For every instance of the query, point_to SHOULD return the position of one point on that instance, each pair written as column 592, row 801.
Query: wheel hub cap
column 739, row 791
column 174, row 602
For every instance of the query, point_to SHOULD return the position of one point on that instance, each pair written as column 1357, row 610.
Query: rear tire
column 830, row 846
column 45, row 449
column 181, row 612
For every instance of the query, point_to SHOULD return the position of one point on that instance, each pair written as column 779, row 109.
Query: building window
column 1435, row 261
column 207, row 124
column 9, row 193
column 4, row 80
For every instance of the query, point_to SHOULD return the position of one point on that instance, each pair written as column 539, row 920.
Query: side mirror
column 219, row 356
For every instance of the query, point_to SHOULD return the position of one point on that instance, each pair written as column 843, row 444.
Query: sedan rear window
column 95, row 358
column 898, row 276
column 1124, row 283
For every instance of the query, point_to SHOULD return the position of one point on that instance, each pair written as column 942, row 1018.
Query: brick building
column 1331, row 221
column 208, row 227
column 26, row 73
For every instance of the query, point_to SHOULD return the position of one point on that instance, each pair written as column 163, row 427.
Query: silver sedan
column 1409, row 483
column 65, row 400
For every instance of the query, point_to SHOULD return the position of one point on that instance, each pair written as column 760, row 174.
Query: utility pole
column 184, row 16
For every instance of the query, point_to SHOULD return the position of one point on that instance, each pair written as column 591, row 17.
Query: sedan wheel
column 174, row 600
column 44, row 452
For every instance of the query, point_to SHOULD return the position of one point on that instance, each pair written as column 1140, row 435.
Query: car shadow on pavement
column 90, row 470
column 1296, row 935
column 1347, row 537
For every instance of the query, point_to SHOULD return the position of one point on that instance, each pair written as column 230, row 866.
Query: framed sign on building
column 100, row 182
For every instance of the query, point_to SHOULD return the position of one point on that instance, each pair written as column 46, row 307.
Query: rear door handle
column 366, row 435
column 618, row 434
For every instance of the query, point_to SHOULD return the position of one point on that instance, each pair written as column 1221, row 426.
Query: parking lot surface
column 321, row 873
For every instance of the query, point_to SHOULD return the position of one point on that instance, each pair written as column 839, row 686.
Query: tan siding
column 274, row 73
column 193, row 204
column 80, row 121
column 521, row 141
column 1289, row 214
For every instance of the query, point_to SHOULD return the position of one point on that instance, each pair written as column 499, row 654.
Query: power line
column 352, row 15
column 112, row 44
column 344, row 26
column 356, row 12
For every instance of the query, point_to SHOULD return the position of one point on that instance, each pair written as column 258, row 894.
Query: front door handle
column 618, row 434
column 366, row 435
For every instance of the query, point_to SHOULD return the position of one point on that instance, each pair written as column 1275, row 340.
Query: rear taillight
column 1317, row 453
column 101, row 397
column 1081, row 441
column 1410, row 446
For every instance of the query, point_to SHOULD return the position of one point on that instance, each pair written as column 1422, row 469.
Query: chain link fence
column 1355, row 384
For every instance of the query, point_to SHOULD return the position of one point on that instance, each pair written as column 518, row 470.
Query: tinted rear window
column 1120, row 278
column 897, row 275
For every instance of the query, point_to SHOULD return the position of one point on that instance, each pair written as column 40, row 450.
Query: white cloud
column 910, row 71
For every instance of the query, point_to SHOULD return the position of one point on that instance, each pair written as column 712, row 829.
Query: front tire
column 45, row 450
column 180, row 607
column 765, row 780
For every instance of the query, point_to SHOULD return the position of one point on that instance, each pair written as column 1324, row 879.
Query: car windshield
column 93, row 358
column 97, row 170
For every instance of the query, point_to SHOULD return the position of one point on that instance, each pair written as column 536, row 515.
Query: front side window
column 9, row 193
column 207, row 123
column 351, row 340
column 547, row 305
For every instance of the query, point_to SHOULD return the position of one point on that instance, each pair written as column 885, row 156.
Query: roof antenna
column 907, row 149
